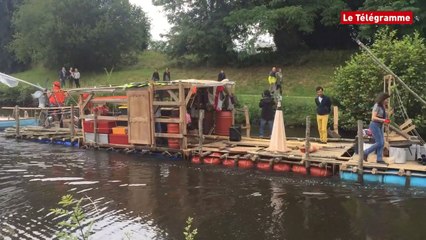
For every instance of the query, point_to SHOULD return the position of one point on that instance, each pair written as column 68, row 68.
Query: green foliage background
column 356, row 84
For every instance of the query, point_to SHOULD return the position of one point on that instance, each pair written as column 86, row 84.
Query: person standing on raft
column 378, row 118
column 323, row 110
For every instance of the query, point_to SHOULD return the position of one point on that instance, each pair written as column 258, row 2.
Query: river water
column 145, row 197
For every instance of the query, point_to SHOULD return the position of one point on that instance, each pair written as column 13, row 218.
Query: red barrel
column 321, row 172
column 228, row 163
column 299, row 169
column 282, row 167
column 263, row 166
column 196, row 159
column 173, row 142
column 212, row 159
column 223, row 123
column 246, row 164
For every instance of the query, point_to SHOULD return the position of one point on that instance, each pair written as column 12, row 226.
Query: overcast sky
column 159, row 24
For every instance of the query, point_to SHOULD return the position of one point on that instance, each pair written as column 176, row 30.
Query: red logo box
column 376, row 17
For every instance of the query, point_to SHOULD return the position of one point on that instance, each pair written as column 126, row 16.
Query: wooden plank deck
column 332, row 152
column 371, row 163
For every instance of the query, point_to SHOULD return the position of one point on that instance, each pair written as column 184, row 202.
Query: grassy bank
column 300, row 79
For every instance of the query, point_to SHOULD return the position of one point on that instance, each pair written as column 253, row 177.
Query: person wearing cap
column 267, row 105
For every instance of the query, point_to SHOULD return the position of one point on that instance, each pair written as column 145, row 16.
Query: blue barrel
column 418, row 181
column 349, row 176
column 394, row 180
column 374, row 178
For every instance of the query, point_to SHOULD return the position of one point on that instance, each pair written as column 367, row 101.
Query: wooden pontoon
column 152, row 106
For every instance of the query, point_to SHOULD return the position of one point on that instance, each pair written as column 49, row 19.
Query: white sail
column 13, row 81
column 8, row 80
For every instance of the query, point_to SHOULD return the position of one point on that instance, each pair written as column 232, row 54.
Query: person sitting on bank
column 267, row 104
column 378, row 117
column 323, row 110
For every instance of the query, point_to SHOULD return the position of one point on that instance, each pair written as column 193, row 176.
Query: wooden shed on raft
column 158, row 114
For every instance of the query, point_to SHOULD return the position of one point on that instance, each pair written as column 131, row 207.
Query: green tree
column 90, row 34
column 8, row 62
column 418, row 7
column 356, row 84
column 199, row 30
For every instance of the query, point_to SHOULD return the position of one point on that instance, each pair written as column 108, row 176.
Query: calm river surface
column 139, row 197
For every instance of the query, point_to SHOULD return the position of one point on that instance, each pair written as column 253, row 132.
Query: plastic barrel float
column 173, row 142
column 223, row 123
column 245, row 164
column 282, row 167
column 212, row 159
column 264, row 166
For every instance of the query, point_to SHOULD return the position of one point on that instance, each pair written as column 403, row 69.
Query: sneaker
column 381, row 162
column 365, row 157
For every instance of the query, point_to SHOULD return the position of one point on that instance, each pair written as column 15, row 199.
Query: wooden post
column 247, row 117
column 182, row 114
column 200, row 131
column 336, row 119
column 360, row 150
column 95, row 127
column 17, row 121
column 152, row 115
column 307, row 144
column 72, row 122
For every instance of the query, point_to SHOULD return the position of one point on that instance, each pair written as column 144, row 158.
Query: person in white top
column 76, row 78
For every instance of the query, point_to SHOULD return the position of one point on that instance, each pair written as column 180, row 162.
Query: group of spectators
column 72, row 76
column 166, row 76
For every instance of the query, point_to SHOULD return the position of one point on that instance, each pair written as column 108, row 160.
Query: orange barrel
column 196, row 159
column 228, row 163
column 299, row 169
column 173, row 142
column 282, row 167
column 212, row 159
column 321, row 172
column 223, row 123
column 263, row 166
column 246, row 164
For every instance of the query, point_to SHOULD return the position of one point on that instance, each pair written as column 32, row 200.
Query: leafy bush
column 356, row 84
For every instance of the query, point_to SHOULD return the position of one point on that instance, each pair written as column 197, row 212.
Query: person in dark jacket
column 155, row 76
column 166, row 75
column 221, row 76
column 63, row 76
column 323, row 110
column 267, row 104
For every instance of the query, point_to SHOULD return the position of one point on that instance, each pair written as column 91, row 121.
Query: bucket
column 173, row 142
column 235, row 133
column 223, row 123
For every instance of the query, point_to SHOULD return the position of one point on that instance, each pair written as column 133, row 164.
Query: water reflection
column 141, row 197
